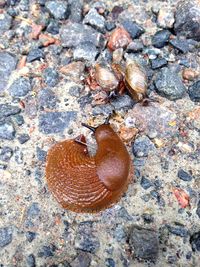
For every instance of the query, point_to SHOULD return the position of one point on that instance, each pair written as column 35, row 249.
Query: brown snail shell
column 136, row 80
column 85, row 183
column 106, row 78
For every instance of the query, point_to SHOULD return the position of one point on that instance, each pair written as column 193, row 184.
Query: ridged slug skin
column 136, row 80
column 82, row 183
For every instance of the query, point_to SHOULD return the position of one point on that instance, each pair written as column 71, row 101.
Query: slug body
column 85, row 183
column 136, row 80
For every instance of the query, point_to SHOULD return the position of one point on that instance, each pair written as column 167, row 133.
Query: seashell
column 119, row 38
column 85, row 183
column 136, row 80
column 106, row 78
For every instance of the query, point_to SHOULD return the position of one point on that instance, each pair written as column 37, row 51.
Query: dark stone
column 85, row 51
column 133, row 28
column 158, row 63
column 124, row 102
column 145, row 183
column 160, row 201
column 183, row 175
column 47, row 99
column 94, row 19
column 55, row 122
column 47, row 251
column 76, row 10
column 5, row 23
column 18, row 119
column 106, row 110
column 31, row 260
column 58, row 9
column 3, row 166
column 85, row 239
column 20, row 87
column 110, row 262
column 142, row 146
column 194, row 91
column 198, row 209
column 148, row 218
column 8, row 110
column 5, row 153
column 82, row 260
column 178, row 230
column 181, row 45
column 158, row 184
column 35, row 54
column 172, row 259
column 53, row 27
column 195, row 241
column 119, row 233
column 33, row 210
column 73, row 34
column 5, row 236
column 75, row 91
column 51, row 77
column 23, row 138
column 30, row 236
column 144, row 243
column 169, row 84
column 84, row 100
column 41, row 154
column 110, row 25
column 135, row 46
column 188, row 256
column 187, row 19
column 7, row 131
column 8, row 63
column 19, row 157
column 161, row 38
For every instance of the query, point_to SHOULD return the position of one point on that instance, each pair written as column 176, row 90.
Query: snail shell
column 106, row 78
column 85, row 183
column 136, row 80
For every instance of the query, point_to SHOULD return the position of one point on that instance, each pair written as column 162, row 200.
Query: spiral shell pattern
column 72, row 178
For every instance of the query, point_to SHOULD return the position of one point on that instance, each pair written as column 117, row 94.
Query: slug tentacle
column 83, row 183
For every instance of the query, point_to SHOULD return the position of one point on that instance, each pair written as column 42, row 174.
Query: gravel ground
column 48, row 52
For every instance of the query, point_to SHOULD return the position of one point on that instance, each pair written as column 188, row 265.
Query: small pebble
column 47, row 99
column 35, row 54
column 51, row 77
column 23, row 138
column 185, row 176
column 55, row 122
column 144, row 243
column 47, row 251
column 20, row 87
column 85, row 51
column 194, row 91
column 30, row 236
column 145, row 183
column 94, row 19
column 31, row 260
column 58, row 9
column 5, row 236
column 134, row 29
column 158, row 63
column 181, row 45
column 6, row 153
column 195, row 241
column 109, row 262
column 169, row 84
column 7, row 131
column 161, row 38
column 142, row 146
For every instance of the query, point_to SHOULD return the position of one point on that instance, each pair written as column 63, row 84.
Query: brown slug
column 84, row 183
